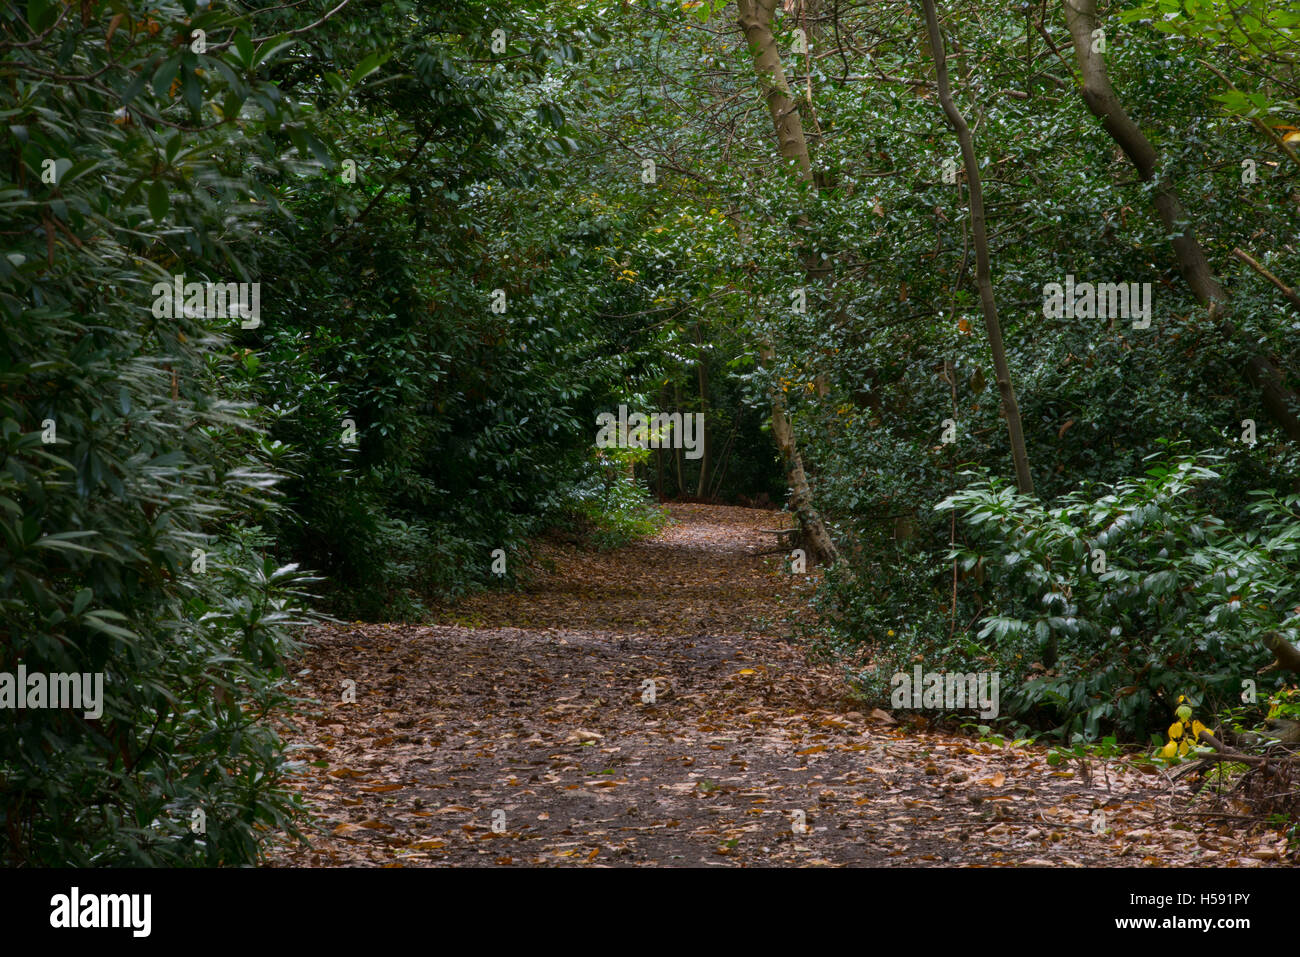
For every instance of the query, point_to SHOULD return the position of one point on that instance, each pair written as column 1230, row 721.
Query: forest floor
column 515, row 732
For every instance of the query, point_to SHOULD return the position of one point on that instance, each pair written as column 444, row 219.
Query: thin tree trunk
column 677, row 447
column 659, row 474
column 983, row 277
column 755, row 22
column 702, row 377
column 1291, row 295
column 659, row 451
column 1081, row 17
column 801, row 501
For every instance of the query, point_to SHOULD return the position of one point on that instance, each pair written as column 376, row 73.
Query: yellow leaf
column 1175, row 731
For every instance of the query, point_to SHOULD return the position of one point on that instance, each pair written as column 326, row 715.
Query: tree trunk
column 1081, row 16
column 983, row 277
column 702, row 377
column 1099, row 95
column 755, row 22
column 1286, row 654
column 677, row 447
column 659, row 452
column 801, row 502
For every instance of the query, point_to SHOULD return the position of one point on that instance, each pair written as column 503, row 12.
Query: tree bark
column 677, row 447
column 1100, row 96
column 801, row 501
column 983, row 276
column 1291, row 295
column 1286, row 654
column 1097, row 92
column 755, row 22
column 702, row 377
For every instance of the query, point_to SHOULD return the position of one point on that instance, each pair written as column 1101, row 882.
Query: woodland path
column 529, row 704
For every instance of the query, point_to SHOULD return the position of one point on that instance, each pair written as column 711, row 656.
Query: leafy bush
column 125, row 456
column 1105, row 609
column 615, row 506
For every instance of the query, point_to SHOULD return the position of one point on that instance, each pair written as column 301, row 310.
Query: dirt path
column 522, row 734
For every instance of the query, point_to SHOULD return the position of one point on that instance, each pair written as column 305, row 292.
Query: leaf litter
column 520, row 730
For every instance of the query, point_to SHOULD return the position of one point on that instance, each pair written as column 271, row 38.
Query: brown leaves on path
column 638, row 707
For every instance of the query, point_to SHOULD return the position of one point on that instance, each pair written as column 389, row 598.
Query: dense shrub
column 133, row 480
column 1102, row 608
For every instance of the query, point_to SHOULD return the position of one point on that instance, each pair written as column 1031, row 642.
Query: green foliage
column 382, row 171
column 132, row 482
column 617, row 509
column 1285, row 704
column 1174, row 606
column 901, row 349
column 1258, row 30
